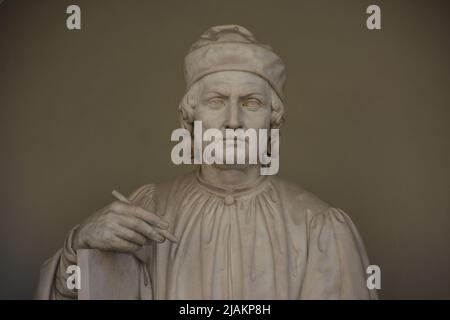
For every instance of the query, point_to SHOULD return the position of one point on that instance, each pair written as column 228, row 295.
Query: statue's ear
column 187, row 108
column 277, row 116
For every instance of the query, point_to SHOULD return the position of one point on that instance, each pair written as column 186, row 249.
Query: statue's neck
column 229, row 176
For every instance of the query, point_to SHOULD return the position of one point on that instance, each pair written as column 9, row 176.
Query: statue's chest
column 230, row 251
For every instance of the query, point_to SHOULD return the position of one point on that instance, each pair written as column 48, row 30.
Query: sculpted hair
column 187, row 106
column 191, row 98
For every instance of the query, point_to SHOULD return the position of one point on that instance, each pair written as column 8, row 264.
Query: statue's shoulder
column 143, row 196
column 175, row 185
column 153, row 194
column 156, row 189
column 297, row 199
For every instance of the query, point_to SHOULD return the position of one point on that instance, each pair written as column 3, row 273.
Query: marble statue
column 223, row 231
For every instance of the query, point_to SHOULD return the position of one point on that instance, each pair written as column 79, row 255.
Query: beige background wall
column 368, row 114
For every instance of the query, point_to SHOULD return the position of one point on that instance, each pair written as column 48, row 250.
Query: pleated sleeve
column 337, row 260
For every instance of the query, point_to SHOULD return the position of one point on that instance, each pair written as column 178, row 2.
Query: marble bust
column 223, row 231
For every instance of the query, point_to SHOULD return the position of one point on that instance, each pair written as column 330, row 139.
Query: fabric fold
column 273, row 241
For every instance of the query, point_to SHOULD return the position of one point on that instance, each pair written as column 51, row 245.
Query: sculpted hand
column 120, row 227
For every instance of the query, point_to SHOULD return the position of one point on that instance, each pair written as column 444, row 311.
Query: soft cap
column 233, row 48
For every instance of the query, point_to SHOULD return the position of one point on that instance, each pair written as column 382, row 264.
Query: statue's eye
column 216, row 102
column 252, row 103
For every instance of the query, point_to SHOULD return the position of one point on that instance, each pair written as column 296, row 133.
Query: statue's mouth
column 233, row 140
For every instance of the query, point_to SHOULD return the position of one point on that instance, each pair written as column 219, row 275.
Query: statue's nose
column 234, row 119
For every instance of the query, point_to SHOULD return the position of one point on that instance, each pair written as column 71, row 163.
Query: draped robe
column 268, row 240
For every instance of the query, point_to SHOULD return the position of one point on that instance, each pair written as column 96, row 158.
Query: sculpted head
column 233, row 84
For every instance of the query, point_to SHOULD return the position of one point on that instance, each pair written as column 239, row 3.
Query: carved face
column 234, row 100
